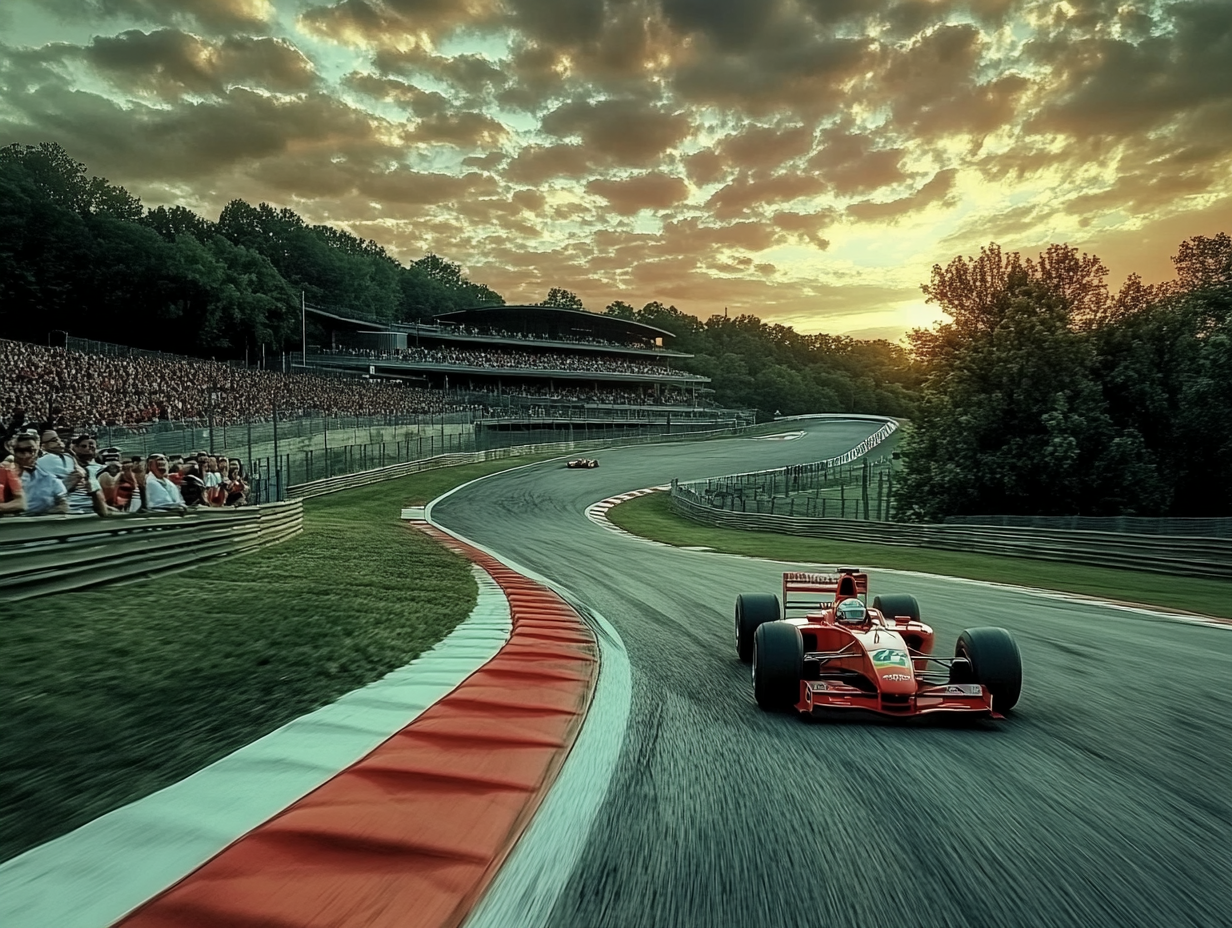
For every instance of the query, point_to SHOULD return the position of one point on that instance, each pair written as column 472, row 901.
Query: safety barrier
column 1182, row 555
column 53, row 554
column 377, row 474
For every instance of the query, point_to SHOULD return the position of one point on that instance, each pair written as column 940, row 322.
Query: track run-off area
column 1102, row 800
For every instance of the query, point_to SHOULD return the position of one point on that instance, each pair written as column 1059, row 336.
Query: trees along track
column 1100, row 802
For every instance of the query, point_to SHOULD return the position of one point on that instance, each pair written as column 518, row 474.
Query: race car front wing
column 820, row 696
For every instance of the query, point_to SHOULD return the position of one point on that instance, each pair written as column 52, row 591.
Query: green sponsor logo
column 888, row 657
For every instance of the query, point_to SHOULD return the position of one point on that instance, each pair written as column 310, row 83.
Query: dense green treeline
column 83, row 255
column 1047, row 395
column 775, row 369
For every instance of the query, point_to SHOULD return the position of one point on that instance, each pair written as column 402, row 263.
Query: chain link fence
column 854, row 485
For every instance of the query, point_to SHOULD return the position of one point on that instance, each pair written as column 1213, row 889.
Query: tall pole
column 303, row 322
column 277, row 459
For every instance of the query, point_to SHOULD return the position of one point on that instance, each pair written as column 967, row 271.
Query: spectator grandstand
column 475, row 379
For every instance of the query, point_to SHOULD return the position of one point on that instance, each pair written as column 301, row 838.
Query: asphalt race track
column 1104, row 800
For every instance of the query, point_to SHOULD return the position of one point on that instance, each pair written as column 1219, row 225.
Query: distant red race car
column 842, row 654
column 582, row 462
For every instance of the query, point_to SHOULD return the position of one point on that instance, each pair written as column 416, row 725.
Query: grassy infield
column 111, row 694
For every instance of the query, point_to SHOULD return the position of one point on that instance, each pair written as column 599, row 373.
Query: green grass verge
column 114, row 693
column 651, row 517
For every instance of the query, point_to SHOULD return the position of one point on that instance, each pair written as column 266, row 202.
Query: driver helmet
column 851, row 612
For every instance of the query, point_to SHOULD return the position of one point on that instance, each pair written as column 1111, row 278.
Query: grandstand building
column 526, row 363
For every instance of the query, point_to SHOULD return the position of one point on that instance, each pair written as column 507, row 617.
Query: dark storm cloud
column 391, row 23
column 935, row 190
column 743, row 194
column 806, row 227
column 169, row 63
column 764, row 147
column 733, row 25
column 464, row 129
column 629, row 195
column 627, row 132
column 933, row 89
column 212, row 15
column 558, row 22
column 535, row 164
column 472, row 74
column 423, row 103
column 789, row 71
column 1117, row 88
column 191, row 141
column 852, row 165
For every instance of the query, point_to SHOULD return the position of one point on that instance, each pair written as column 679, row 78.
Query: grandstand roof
column 554, row 322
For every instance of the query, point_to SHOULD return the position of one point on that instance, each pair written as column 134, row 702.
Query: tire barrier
column 54, row 554
column 412, row 834
column 1172, row 554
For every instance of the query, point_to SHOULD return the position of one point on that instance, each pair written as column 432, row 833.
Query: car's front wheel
column 778, row 663
column 996, row 663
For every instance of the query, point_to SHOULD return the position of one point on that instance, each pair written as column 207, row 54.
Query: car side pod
column 778, row 665
column 995, row 663
column 752, row 611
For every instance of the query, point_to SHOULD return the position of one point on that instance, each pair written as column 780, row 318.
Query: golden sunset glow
column 806, row 161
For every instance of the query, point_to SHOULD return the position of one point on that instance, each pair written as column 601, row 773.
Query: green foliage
column 80, row 254
column 1047, row 396
column 562, row 299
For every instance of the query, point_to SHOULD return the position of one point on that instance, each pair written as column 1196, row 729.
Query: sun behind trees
column 1047, row 395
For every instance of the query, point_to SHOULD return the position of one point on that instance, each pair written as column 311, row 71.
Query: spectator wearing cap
column 86, row 496
column 175, row 469
column 44, row 493
column 161, row 495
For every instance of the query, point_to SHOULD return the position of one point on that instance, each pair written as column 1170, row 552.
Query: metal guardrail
column 54, row 554
column 378, row 474
column 1213, row 527
column 1181, row 555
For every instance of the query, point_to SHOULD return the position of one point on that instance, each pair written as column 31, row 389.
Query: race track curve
column 1104, row 800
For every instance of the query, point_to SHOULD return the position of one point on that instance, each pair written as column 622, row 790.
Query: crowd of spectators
column 539, row 337
column 40, row 476
column 89, row 391
column 533, row 360
column 615, row 397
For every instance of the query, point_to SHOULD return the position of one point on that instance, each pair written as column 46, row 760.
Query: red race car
column 582, row 462
column 827, row 649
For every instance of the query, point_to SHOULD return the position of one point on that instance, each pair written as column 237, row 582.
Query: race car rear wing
column 810, row 592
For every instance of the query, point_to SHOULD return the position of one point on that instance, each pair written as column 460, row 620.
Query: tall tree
column 562, row 299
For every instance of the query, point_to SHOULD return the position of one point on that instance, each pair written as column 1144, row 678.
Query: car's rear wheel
column 778, row 662
column 996, row 663
column 753, row 610
column 896, row 605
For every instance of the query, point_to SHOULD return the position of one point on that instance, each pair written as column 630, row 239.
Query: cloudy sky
column 806, row 161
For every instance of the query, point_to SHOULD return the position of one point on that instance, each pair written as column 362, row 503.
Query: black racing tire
column 778, row 664
column 996, row 663
column 753, row 610
column 896, row 605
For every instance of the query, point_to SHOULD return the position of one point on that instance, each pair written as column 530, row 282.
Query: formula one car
column 843, row 654
column 582, row 462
